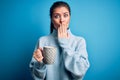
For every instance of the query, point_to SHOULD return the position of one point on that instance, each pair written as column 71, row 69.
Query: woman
column 71, row 61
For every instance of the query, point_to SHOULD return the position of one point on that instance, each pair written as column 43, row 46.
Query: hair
column 55, row 5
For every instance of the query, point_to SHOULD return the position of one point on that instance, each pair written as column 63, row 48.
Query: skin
column 60, row 19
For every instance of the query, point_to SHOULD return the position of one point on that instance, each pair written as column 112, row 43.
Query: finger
column 40, row 52
column 60, row 29
column 64, row 29
column 41, row 49
column 38, row 59
column 67, row 26
column 58, row 32
column 37, row 52
column 37, row 55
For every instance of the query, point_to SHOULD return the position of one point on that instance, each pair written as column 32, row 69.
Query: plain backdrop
column 22, row 22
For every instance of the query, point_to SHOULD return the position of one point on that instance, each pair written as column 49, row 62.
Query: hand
column 38, row 54
column 62, row 31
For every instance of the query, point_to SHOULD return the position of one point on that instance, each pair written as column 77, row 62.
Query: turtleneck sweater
column 71, row 61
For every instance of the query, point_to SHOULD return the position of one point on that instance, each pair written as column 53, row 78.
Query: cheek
column 55, row 23
column 67, row 20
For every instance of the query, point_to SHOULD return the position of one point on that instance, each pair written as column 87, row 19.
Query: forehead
column 61, row 10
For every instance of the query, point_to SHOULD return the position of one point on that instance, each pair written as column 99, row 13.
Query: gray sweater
column 71, row 62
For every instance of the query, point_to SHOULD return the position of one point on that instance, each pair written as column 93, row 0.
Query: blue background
column 22, row 22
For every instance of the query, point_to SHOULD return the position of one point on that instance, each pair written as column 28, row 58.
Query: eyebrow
column 66, row 12
column 58, row 13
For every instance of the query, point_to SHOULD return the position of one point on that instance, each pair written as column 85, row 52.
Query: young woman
column 71, row 62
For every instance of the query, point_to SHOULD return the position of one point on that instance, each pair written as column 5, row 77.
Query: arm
column 37, row 67
column 75, row 60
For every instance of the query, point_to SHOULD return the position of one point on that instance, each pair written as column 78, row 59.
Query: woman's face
column 60, row 15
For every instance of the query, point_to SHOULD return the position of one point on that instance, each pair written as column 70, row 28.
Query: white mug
column 49, row 54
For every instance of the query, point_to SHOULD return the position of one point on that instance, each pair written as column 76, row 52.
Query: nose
column 61, row 19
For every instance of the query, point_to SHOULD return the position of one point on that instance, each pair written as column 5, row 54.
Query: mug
column 49, row 54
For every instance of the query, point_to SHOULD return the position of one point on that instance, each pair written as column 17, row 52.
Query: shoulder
column 44, row 38
column 79, row 39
